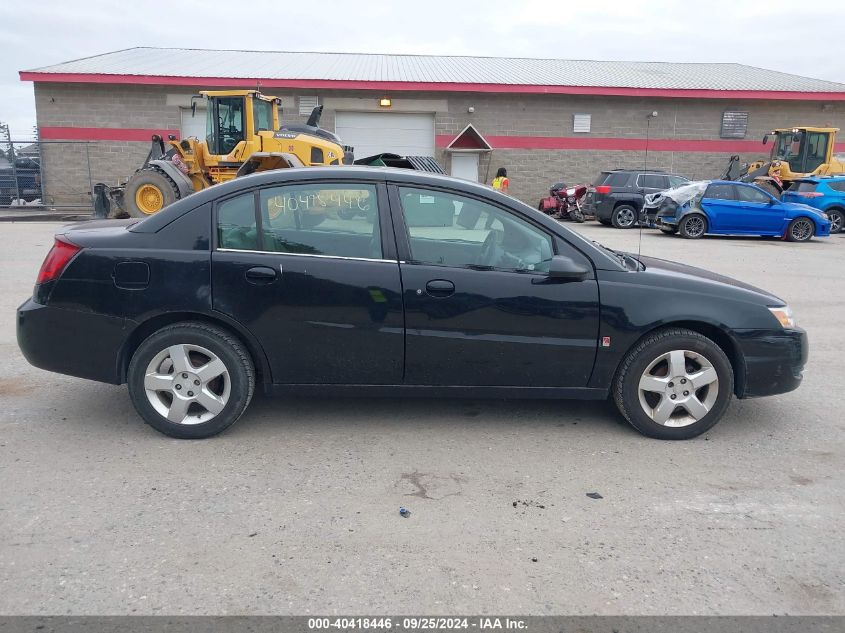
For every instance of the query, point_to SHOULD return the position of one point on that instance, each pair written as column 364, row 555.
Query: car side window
column 334, row 219
column 750, row 194
column 236, row 227
column 720, row 191
column 676, row 181
column 838, row 185
column 448, row 229
column 651, row 181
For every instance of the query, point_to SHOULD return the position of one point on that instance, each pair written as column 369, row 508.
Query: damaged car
column 720, row 207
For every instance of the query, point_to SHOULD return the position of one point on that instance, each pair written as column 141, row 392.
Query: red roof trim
column 404, row 86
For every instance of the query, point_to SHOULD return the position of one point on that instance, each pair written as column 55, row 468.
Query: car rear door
column 724, row 213
column 479, row 310
column 310, row 269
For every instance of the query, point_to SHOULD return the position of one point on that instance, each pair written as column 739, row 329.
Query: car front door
column 479, row 308
column 724, row 213
column 311, row 271
column 760, row 211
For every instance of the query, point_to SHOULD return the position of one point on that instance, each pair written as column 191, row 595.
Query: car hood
column 682, row 274
column 802, row 208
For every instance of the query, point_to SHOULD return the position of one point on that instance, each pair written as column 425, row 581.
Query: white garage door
column 378, row 132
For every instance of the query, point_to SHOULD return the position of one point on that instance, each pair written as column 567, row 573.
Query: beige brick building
column 544, row 120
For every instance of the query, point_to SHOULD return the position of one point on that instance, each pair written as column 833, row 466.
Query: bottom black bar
column 533, row 624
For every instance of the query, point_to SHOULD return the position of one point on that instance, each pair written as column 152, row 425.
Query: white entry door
column 369, row 133
column 465, row 166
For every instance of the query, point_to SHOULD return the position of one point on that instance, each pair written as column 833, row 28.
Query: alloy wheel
column 678, row 388
column 695, row 226
column 625, row 218
column 187, row 384
column 835, row 221
column 802, row 229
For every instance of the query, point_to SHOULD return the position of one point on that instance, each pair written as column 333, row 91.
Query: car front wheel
column 674, row 385
column 800, row 230
column 191, row 380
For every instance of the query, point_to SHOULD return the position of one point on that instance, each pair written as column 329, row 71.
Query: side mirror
column 193, row 109
column 562, row 267
column 765, row 139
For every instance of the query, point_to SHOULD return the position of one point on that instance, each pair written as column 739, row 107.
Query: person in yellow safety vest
column 501, row 182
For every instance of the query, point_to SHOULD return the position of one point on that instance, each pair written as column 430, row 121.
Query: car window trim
column 388, row 247
column 282, row 254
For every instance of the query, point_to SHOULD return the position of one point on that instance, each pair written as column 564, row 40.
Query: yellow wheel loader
column 796, row 153
column 243, row 135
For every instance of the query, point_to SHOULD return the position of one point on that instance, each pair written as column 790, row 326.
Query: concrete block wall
column 531, row 171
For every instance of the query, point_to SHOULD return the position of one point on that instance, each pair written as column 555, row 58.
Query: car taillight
column 57, row 259
column 603, row 189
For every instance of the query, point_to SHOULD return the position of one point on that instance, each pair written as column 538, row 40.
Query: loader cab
column 234, row 116
column 803, row 149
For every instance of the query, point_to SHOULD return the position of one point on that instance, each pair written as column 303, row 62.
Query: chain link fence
column 26, row 184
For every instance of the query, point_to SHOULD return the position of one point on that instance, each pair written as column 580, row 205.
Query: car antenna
column 648, row 118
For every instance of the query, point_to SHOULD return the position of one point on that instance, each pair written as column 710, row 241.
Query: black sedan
column 368, row 281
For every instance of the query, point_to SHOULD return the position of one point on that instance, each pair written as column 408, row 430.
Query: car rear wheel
column 836, row 217
column 674, row 385
column 693, row 226
column 624, row 217
column 191, row 380
column 800, row 230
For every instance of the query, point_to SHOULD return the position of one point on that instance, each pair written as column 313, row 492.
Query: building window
column 734, row 124
column 307, row 104
column 581, row 123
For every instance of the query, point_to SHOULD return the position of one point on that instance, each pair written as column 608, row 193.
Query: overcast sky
column 770, row 34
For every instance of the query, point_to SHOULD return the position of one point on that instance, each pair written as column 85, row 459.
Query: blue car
column 825, row 193
column 721, row 207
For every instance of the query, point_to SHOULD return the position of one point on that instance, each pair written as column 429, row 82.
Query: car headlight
column 784, row 316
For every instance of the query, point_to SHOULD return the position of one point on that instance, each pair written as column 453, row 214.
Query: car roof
column 638, row 171
column 818, row 179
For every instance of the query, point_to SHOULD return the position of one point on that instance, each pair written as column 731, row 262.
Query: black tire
column 667, row 230
column 693, row 226
column 836, row 217
column 225, row 346
column 652, row 346
column 149, row 176
column 624, row 217
column 800, row 230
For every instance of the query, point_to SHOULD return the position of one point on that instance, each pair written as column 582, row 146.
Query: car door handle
column 260, row 275
column 440, row 288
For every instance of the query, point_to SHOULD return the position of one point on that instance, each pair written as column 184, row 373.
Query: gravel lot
column 295, row 509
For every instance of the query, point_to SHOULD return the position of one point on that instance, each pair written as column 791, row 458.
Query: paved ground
column 295, row 510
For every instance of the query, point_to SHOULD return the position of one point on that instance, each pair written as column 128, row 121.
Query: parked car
column 448, row 289
column 825, row 193
column 23, row 182
column 617, row 196
column 722, row 207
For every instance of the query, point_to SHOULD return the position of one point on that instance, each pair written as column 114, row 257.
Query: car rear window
column 599, row 180
column 617, row 179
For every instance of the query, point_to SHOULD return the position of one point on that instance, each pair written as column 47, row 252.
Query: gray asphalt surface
column 295, row 509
